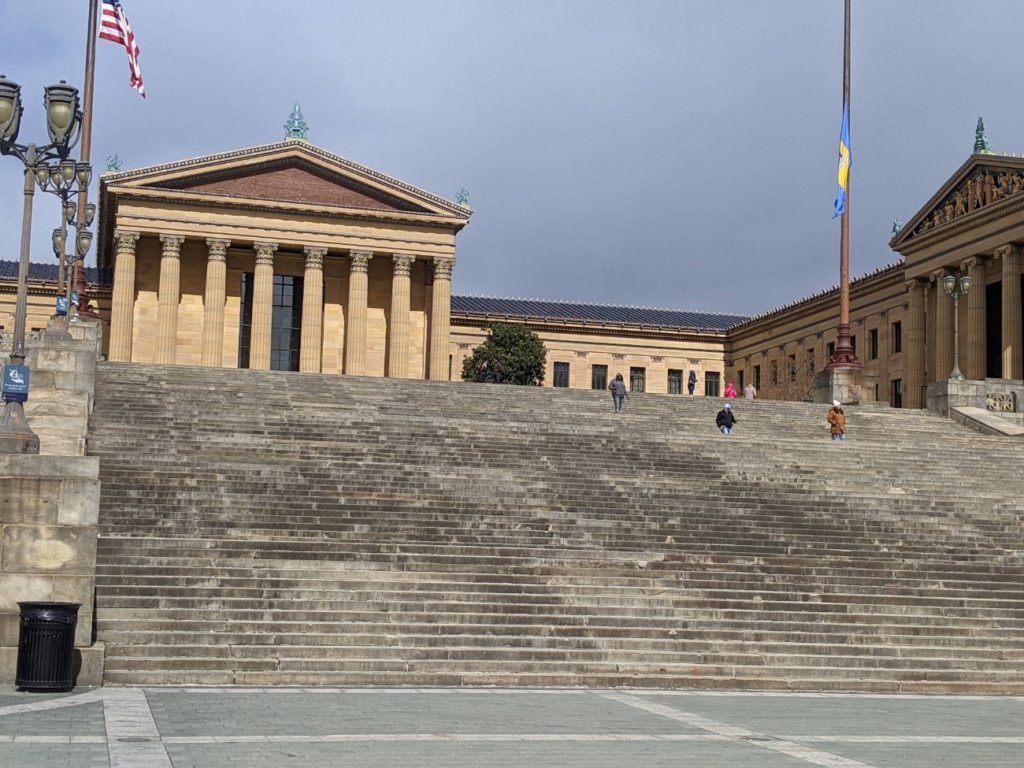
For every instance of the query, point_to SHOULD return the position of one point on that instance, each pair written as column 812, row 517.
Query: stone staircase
column 263, row 528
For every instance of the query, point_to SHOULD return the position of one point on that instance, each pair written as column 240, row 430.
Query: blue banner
column 62, row 305
column 15, row 389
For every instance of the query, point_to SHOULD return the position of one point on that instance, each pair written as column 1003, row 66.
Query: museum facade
column 285, row 256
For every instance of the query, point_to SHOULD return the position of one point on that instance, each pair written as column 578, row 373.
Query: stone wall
column 49, row 509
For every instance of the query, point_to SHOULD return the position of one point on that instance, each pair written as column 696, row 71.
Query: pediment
column 981, row 186
column 289, row 172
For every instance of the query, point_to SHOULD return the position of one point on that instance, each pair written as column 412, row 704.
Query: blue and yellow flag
column 844, row 162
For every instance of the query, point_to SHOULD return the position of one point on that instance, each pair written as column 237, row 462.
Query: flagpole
column 85, row 148
column 844, row 356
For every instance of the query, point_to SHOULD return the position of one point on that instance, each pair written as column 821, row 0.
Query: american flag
column 114, row 26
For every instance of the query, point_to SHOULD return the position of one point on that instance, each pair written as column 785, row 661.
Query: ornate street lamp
column 956, row 289
column 63, row 123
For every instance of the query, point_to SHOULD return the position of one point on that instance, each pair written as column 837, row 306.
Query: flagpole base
column 15, row 434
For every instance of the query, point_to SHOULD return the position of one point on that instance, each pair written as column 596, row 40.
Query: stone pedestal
column 941, row 396
column 847, row 385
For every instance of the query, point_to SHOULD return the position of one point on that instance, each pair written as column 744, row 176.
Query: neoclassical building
column 288, row 257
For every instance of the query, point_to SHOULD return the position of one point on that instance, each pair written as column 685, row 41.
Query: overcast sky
column 665, row 153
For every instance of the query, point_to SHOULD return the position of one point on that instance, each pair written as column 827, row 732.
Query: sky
column 657, row 153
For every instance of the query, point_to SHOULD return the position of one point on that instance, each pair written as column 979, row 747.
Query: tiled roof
column 41, row 273
column 594, row 313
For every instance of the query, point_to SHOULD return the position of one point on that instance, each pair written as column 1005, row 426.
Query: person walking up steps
column 726, row 419
column 618, row 390
column 837, row 421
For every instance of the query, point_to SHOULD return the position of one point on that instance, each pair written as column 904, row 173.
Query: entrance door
column 285, row 323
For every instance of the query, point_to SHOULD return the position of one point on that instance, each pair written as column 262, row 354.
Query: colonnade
column 438, row 309
column 973, row 337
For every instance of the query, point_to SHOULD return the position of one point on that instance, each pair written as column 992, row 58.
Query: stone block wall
column 49, row 511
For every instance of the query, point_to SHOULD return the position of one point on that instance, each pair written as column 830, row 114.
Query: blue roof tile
column 45, row 273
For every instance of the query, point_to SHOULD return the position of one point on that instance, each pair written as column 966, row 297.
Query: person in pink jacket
column 730, row 391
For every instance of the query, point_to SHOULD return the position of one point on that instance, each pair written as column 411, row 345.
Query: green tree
column 514, row 351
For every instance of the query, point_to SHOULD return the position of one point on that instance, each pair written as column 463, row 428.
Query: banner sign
column 62, row 305
column 15, row 389
column 74, row 298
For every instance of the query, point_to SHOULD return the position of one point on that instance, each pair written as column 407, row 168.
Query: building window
column 792, row 368
column 896, row 398
column 285, row 323
column 675, row 382
column 830, row 351
column 757, row 377
column 561, row 378
column 637, row 379
column 897, row 337
column 712, row 383
column 873, row 344
column 853, row 344
column 740, row 382
column 810, row 362
column 774, row 370
column 599, row 377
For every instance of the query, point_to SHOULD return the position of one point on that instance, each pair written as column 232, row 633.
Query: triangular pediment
column 979, row 188
column 292, row 172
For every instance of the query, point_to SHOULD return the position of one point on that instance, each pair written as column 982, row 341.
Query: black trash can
column 46, row 646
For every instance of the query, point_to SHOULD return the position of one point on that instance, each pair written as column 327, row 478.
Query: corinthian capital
column 172, row 245
column 403, row 264
column 218, row 249
column 360, row 260
column 125, row 239
column 265, row 253
column 315, row 256
column 443, row 269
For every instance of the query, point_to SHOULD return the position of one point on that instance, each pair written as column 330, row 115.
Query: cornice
column 475, row 320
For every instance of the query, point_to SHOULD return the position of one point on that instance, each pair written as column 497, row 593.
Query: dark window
column 810, row 362
column 896, row 400
column 599, row 377
column 561, row 375
column 757, row 377
column 285, row 322
column 774, row 368
column 637, row 379
column 712, row 383
column 792, row 368
column 675, row 382
column 830, row 350
column 853, row 344
column 740, row 381
column 897, row 337
column 873, row 344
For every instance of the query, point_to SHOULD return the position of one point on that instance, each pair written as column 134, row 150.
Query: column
column 355, row 324
column 122, row 305
column 312, row 311
column 1010, row 254
column 440, row 318
column 943, row 329
column 973, row 344
column 213, row 303
column 262, row 307
column 167, row 298
column 428, row 313
column 398, row 332
column 914, row 346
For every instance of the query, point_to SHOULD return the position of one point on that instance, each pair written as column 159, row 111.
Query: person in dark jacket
column 726, row 419
column 618, row 390
column 691, row 382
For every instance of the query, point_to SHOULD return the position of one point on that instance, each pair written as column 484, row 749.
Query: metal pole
column 21, row 308
column 844, row 356
column 84, row 151
column 955, row 374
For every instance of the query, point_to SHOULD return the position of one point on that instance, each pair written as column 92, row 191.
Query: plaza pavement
column 503, row 728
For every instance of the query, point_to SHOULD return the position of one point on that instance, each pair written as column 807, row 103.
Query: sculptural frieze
column 995, row 401
column 982, row 188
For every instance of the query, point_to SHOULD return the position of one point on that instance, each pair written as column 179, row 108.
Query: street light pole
column 63, row 121
column 956, row 289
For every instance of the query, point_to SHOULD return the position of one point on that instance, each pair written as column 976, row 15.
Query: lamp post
column 956, row 289
column 63, row 121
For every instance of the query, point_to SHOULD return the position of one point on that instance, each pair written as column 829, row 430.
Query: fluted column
column 355, row 325
column 213, row 302
column 1010, row 256
column 312, row 311
column 914, row 346
column 262, row 306
column 440, row 318
column 122, row 309
column 167, row 298
column 943, row 329
column 972, row 352
column 428, row 314
column 398, row 332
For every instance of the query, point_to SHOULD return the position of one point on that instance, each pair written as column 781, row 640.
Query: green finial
column 296, row 129
column 897, row 225
column 113, row 163
column 463, row 197
column 981, row 146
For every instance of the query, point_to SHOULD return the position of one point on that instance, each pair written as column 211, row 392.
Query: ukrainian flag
column 844, row 163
